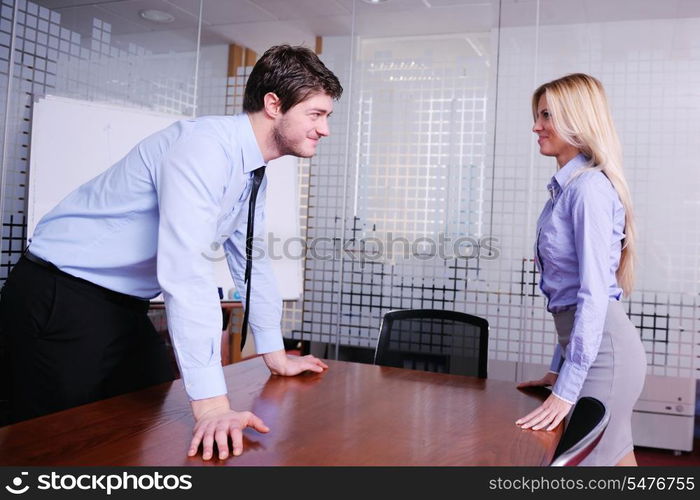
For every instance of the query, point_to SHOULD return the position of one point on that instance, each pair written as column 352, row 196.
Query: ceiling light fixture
column 156, row 16
column 374, row 2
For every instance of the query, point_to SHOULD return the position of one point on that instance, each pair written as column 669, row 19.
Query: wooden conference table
column 353, row 414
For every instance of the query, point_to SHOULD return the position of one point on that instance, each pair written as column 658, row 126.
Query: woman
column 585, row 254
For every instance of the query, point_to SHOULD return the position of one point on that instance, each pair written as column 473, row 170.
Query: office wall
column 650, row 68
column 434, row 138
column 212, row 80
column 403, row 172
column 74, row 54
column 6, row 42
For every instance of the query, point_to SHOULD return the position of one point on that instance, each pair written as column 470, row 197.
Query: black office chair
column 434, row 340
column 583, row 432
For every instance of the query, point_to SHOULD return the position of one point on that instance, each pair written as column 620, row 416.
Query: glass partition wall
column 427, row 194
column 648, row 60
column 427, row 191
column 95, row 51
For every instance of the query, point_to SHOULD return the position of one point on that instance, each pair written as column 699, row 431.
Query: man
column 74, row 308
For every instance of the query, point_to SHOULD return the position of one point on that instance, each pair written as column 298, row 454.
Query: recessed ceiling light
column 156, row 16
column 372, row 2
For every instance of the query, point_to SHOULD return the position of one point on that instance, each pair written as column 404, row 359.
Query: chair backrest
column 585, row 428
column 433, row 340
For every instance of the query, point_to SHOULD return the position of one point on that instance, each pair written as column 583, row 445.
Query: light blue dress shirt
column 578, row 247
column 148, row 223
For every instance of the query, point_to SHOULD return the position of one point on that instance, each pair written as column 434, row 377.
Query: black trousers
column 71, row 342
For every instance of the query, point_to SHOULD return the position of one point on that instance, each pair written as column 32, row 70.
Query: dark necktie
column 258, row 175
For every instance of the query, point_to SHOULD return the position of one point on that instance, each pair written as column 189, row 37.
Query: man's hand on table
column 281, row 363
column 215, row 421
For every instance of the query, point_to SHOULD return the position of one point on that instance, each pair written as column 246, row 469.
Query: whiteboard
column 73, row 141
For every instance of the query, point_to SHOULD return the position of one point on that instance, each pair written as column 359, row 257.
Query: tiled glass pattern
column 427, row 140
column 52, row 59
column 395, row 171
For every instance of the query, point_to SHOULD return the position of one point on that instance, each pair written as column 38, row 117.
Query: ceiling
column 259, row 24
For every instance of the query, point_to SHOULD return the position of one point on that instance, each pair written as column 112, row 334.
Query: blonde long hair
column 581, row 116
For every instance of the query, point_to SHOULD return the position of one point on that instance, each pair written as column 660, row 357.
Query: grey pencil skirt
column 616, row 378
